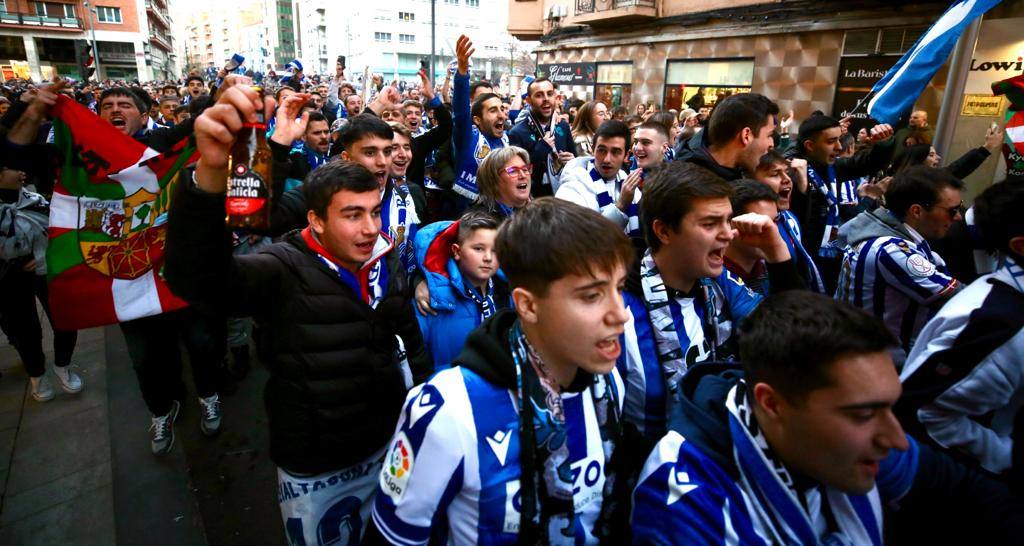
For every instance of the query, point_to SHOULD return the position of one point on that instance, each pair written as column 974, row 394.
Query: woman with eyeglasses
column 503, row 179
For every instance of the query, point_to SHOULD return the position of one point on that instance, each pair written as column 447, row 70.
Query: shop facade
column 802, row 72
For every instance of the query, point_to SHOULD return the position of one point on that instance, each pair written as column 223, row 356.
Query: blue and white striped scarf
column 766, row 481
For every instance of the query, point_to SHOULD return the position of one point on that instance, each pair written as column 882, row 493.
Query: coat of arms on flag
column 1013, row 89
column 108, row 222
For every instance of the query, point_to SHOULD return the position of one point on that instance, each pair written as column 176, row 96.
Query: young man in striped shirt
column 963, row 381
column 888, row 267
column 512, row 445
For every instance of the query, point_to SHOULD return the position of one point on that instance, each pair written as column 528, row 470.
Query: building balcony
column 160, row 40
column 526, row 19
column 161, row 3
column 613, row 12
column 157, row 15
column 9, row 19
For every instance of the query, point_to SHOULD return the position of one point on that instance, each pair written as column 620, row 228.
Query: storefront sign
column 857, row 75
column 569, row 73
column 981, row 105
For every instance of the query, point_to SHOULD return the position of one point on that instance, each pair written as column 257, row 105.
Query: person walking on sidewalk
column 334, row 299
column 24, row 218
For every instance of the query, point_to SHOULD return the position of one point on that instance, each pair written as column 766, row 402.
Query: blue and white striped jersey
column 646, row 396
column 451, row 474
column 898, row 281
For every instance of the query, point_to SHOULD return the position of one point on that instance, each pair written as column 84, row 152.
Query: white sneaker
column 68, row 380
column 42, row 389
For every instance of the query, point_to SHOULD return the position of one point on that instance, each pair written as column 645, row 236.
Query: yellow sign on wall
column 976, row 104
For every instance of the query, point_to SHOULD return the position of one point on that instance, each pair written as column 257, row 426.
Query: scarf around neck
column 548, row 514
column 605, row 200
column 827, row 187
column 671, row 353
column 776, row 501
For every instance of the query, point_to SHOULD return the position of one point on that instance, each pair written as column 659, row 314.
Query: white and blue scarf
column 657, row 300
column 775, row 500
column 828, row 247
column 485, row 301
column 605, row 199
column 398, row 219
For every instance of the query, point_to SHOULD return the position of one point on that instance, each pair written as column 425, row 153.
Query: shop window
column 714, row 79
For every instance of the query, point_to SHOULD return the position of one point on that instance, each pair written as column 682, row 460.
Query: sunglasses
column 953, row 211
column 514, row 171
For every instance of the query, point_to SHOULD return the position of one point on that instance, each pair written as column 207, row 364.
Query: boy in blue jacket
column 460, row 266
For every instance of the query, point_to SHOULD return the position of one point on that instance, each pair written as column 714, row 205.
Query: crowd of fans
column 512, row 317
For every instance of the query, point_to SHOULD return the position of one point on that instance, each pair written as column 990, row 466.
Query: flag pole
column 953, row 96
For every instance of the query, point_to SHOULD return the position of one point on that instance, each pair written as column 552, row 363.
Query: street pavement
column 78, row 469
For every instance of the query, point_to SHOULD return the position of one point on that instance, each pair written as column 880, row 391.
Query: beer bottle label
column 247, row 192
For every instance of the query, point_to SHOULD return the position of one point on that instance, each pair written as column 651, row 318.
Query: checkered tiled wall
column 798, row 71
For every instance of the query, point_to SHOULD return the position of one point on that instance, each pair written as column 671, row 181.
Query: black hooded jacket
column 335, row 389
column 696, row 151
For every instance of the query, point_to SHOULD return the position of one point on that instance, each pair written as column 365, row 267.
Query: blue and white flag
column 895, row 93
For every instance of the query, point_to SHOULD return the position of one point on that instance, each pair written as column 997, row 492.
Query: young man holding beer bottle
column 336, row 304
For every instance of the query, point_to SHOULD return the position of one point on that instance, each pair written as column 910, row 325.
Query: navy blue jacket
column 527, row 135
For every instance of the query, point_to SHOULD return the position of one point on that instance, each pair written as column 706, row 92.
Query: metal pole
column 953, row 97
column 433, row 28
column 95, row 48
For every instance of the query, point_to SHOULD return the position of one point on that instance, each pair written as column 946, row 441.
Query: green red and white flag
column 1015, row 130
column 108, row 221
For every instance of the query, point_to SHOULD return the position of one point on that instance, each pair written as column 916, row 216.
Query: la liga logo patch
column 397, row 468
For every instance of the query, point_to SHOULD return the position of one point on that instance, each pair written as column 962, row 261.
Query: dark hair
column 997, row 213
column 474, row 220
column 277, row 94
column 913, row 156
column 477, row 110
column 478, row 84
column 323, row 182
column 669, row 194
column 123, row 92
column 918, row 185
column 613, row 129
column 846, row 141
column 316, row 116
column 542, row 79
column 747, row 191
column 632, row 119
column 619, row 111
column 813, row 125
column 665, row 119
column 654, row 126
column 194, row 78
column 180, row 110
column 551, row 238
column 735, row 112
column 771, row 158
column 362, row 125
column 198, row 104
column 792, row 339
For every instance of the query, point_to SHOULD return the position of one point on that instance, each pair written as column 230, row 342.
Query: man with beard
column 548, row 142
column 478, row 128
column 739, row 133
column 599, row 183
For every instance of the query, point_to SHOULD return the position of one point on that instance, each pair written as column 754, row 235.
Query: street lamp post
column 92, row 30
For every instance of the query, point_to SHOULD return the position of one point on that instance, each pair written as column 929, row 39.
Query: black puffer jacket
column 335, row 387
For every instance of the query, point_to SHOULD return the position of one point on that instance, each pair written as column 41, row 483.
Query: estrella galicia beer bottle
column 249, row 177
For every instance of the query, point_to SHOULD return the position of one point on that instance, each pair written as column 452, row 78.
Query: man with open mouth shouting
column 684, row 306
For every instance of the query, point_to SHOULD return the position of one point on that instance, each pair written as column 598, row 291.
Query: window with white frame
column 407, row 38
column 406, row 16
column 106, row 14
column 382, row 36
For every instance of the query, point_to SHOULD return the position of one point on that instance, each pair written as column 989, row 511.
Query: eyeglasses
column 514, row 171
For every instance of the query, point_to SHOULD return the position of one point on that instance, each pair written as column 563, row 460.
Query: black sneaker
column 163, row 430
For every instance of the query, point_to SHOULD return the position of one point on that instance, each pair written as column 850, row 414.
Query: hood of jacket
column 696, row 151
column 700, row 414
column 869, row 225
column 487, row 351
column 434, row 258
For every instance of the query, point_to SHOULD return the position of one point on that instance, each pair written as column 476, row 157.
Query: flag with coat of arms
column 108, row 220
